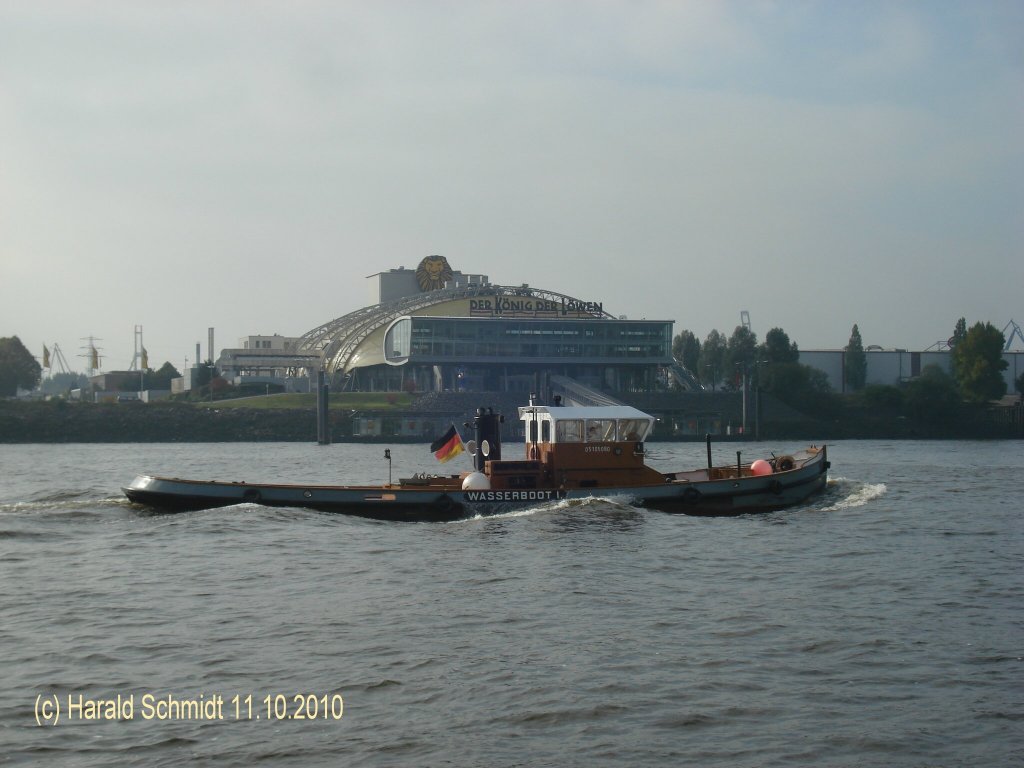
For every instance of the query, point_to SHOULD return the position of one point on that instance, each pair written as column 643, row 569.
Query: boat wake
column 89, row 502
column 603, row 503
column 503, row 515
column 846, row 493
column 510, row 513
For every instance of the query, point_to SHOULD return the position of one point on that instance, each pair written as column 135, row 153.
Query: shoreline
column 57, row 422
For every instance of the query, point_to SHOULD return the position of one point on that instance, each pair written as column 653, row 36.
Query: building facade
column 436, row 329
column 267, row 360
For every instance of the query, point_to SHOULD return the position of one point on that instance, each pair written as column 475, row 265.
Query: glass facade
column 457, row 340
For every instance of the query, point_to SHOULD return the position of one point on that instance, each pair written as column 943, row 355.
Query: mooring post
column 319, row 423
column 323, row 433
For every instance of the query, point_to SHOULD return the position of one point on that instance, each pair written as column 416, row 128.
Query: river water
column 881, row 624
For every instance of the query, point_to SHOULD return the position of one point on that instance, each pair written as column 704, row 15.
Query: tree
column 777, row 347
column 18, row 369
column 712, row 359
column 978, row 363
column 62, row 383
column 803, row 387
column 959, row 334
column 882, row 397
column 741, row 353
column 1019, row 383
column 856, row 372
column 932, row 397
column 686, row 349
column 161, row 378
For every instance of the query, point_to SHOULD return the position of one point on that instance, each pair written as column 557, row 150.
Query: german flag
column 448, row 446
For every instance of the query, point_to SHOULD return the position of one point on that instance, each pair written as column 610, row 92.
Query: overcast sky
column 246, row 165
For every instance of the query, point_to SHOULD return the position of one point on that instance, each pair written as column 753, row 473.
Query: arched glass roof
column 338, row 341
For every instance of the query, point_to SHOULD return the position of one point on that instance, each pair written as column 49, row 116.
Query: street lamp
column 757, row 398
column 743, row 383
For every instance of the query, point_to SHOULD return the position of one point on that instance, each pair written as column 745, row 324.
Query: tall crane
column 54, row 358
column 1015, row 332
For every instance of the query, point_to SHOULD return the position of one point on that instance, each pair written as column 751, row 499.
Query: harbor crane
column 1015, row 332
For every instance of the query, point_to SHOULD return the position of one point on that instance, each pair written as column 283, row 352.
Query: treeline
column 60, row 421
column 19, row 369
column 773, row 366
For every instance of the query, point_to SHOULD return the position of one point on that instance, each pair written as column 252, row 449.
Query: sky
column 246, row 165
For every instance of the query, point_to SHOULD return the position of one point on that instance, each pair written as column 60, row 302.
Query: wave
column 847, row 493
column 80, row 504
column 619, row 502
column 525, row 512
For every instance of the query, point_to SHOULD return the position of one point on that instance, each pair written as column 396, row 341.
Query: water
column 879, row 625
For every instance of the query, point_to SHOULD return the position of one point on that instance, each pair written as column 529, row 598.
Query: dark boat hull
column 688, row 493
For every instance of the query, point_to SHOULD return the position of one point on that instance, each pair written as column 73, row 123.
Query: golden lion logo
column 433, row 272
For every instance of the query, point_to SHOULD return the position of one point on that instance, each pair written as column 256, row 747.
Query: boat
column 570, row 452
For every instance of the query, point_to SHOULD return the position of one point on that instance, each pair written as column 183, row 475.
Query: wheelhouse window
column 600, row 430
column 569, row 431
column 632, row 429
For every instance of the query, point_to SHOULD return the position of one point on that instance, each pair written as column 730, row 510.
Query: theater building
column 436, row 329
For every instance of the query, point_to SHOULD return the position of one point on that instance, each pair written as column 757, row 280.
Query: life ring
column 252, row 496
column 784, row 464
column 691, row 494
